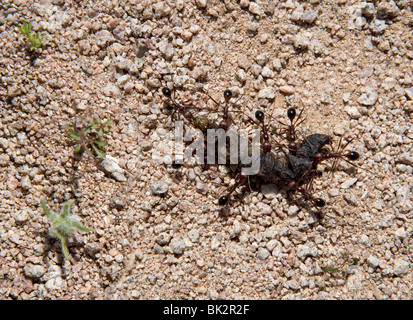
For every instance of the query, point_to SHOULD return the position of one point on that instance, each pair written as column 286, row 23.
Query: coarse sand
column 157, row 232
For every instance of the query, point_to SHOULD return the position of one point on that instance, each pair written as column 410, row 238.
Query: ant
column 295, row 169
column 299, row 165
column 291, row 136
column 175, row 106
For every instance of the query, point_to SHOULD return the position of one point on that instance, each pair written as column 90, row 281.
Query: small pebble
column 193, row 235
column 401, row 267
column 373, row 262
column 389, row 83
column 215, row 243
column 160, row 187
column 348, row 183
column 266, row 93
column 353, row 112
column 309, row 16
column 269, row 191
column 177, row 245
column 201, row 3
column 287, row 89
column 378, row 26
column 34, row 271
column 20, row 216
column 163, row 239
column 255, row 8
column 110, row 90
column 409, row 93
column 304, row 251
column 405, row 158
column 110, row 165
column 346, row 96
column 400, row 233
column 263, row 254
column 369, row 97
column 292, row 210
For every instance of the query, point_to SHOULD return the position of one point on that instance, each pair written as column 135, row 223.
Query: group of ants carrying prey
column 293, row 169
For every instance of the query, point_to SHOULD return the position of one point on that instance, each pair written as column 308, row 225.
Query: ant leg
column 290, row 129
column 240, row 180
column 177, row 107
column 225, row 117
column 317, row 202
column 338, row 154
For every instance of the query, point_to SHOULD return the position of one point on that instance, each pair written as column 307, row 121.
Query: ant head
column 222, row 201
column 227, row 94
column 266, row 147
column 320, row 203
column 259, row 115
column 291, row 113
column 353, row 155
column 223, row 125
column 166, row 92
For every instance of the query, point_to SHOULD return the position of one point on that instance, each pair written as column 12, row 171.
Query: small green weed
column 63, row 224
column 33, row 38
column 89, row 137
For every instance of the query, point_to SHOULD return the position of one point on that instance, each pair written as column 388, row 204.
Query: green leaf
column 74, row 135
column 65, row 250
column 78, row 149
column 108, row 122
column 330, row 269
column 85, row 131
column 101, row 143
column 99, row 152
column 25, row 29
column 46, row 209
column 100, row 133
column 80, row 227
column 66, row 208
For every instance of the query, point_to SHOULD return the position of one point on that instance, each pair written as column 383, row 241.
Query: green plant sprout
column 89, row 138
column 33, row 38
column 63, row 224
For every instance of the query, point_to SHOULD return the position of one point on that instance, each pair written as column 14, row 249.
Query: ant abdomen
column 222, row 201
column 291, row 113
column 353, row 155
column 166, row 92
column 227, row 94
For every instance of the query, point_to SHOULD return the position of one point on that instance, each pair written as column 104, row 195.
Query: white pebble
column 409, row 93
column 348, row 183
column 177, row 245
column 401, row 267
column 369, row 97
column 263, row 253
column 20, row 216
column 373, row 262
column 255, row 8
column 160, row 187
column 110, row 165
column 266, row 93
column 34, row 271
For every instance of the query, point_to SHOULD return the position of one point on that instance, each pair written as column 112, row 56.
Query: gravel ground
column 158, row 233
